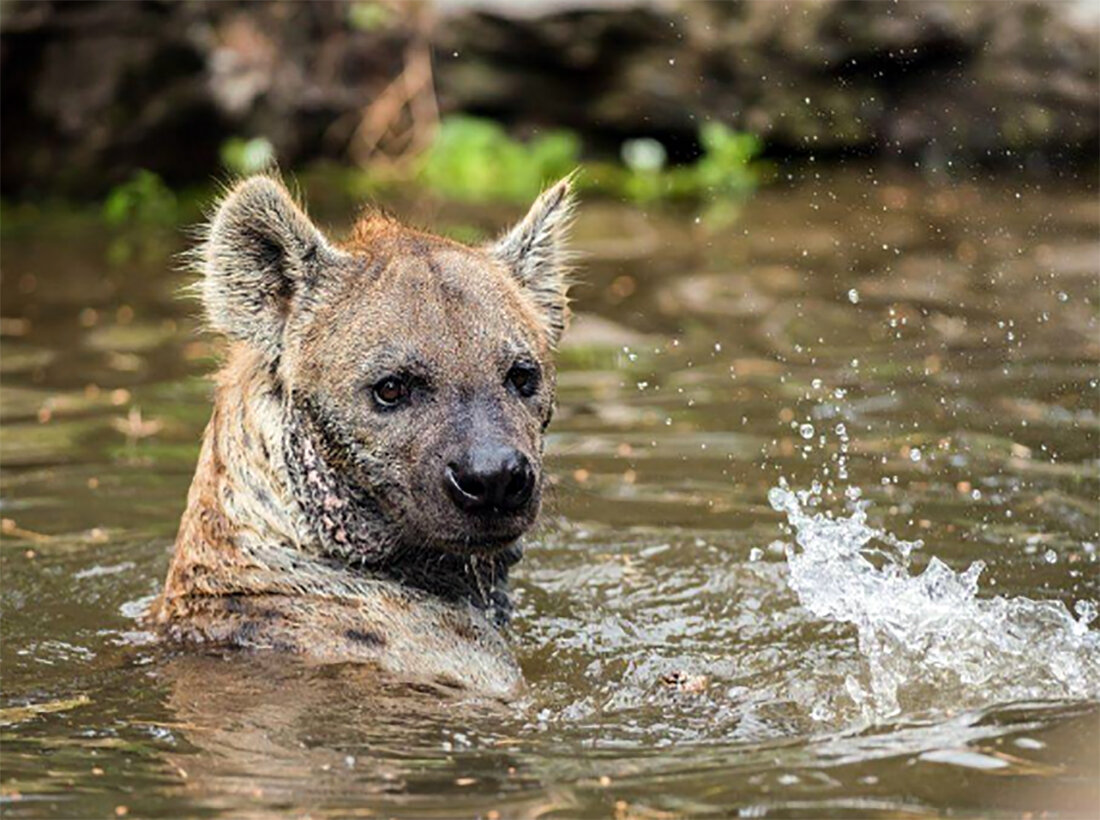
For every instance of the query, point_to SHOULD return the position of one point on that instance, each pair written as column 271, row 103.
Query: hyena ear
column 261, row 251
column 536, row 253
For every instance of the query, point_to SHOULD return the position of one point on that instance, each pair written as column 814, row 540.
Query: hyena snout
column 490, row 478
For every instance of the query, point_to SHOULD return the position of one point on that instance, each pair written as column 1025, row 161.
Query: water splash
column 927, row 638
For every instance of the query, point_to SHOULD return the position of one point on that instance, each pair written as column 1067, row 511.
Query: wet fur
column 315, row 524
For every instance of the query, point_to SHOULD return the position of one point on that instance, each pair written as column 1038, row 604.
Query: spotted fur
column 317, row 521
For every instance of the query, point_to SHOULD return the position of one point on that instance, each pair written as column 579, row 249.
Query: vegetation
column 475, row 160
column 727, row 168
column 469, row 160
column 143, row 200
column 244, row 157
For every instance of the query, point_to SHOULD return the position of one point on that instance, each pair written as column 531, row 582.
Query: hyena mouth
column 492, row 528
column 481, row 542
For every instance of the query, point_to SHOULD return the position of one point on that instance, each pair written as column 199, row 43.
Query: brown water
column 672, row 668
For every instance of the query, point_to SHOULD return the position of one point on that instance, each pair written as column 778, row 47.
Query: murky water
column 927, row 354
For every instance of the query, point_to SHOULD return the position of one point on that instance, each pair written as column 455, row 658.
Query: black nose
column 490, row 478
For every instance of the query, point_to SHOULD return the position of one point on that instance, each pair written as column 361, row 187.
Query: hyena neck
column 344, row 516
column 241, row 517
column 267, row 511
column 478, row 580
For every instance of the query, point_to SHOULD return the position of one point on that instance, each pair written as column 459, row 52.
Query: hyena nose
column 490, row 478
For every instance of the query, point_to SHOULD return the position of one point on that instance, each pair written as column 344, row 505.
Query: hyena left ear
column 536, row 253
column 261, row 253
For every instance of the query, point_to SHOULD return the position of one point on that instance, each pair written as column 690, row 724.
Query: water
column 927, row 638
column 689, row 649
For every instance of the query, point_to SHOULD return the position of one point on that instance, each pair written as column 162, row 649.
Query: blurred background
column 94, row 91
column 852, row 246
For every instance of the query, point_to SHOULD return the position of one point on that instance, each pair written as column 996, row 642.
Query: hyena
column 375, row 448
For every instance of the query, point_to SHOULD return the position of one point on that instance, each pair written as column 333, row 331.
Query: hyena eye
column 390, row 391
column 524, row 378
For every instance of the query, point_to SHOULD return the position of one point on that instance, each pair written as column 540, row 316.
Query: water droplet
column 1050, row 556
column 806, row 431
column 755, row 554
column 853, row 296
column 914, row 455
column 1086, row 612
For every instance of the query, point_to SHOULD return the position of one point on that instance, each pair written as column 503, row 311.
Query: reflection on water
column 934, row 346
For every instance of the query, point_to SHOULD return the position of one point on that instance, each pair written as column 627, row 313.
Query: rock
column 588, row 331
column 719, row 295
column 93, row 90
column 938, row 80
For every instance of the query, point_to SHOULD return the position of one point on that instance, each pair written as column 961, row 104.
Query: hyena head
column 414, row 374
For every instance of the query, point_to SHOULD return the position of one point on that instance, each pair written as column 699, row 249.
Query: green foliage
column 366, row 15
column 726, row 166
column 475, row 159
column 246, row 157
column 142, row 210
column 471, row 159
column 144, row 200
column 727, row 171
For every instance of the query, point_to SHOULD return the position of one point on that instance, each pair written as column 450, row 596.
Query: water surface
column 951, row 329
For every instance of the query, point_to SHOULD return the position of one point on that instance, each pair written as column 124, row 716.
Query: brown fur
column 318, row 520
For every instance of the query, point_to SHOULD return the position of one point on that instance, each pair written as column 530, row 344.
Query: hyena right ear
column 537, row 254
column 261, row 252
